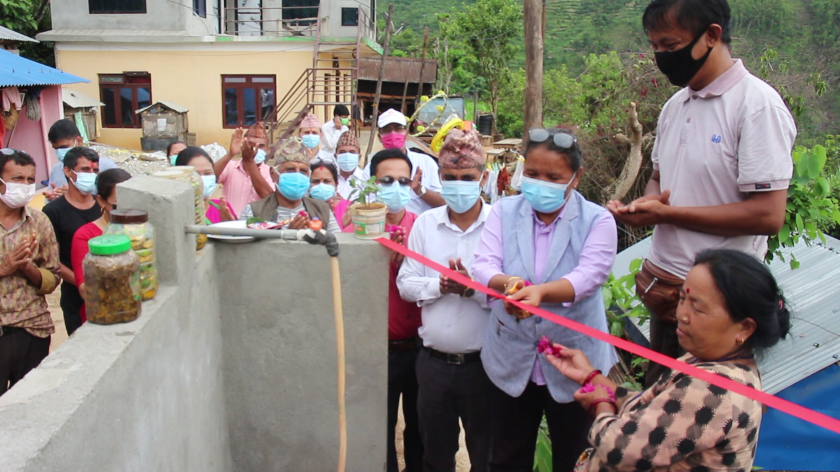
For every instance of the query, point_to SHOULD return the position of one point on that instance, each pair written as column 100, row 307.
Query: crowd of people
column 722, row 164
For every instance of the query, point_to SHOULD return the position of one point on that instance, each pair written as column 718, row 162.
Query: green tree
column 489, row 26
column 29, row 17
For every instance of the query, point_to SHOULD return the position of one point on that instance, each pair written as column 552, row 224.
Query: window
column 117, row 6
column 122, row 95
column 293, row 10
column 349, row 17
column 247, row 98
column 200, row 8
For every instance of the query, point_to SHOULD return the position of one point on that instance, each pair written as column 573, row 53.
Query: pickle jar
column 135, row 224
column 189, row 175
column 112, row 280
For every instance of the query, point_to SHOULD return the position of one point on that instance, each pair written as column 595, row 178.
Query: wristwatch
column 422, row 191
column 469, row 292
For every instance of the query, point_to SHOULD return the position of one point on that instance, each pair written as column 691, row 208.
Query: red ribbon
column 811, row 416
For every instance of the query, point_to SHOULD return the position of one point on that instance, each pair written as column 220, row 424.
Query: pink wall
column 31, row 136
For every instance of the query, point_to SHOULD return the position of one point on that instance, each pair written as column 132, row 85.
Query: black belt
column 5, row 330
column 405, row 344
column 455, row 359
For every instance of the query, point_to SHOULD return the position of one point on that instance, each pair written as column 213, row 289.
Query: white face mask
column 17, row 195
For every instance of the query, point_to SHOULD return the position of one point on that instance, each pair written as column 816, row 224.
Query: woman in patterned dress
column 730, row 308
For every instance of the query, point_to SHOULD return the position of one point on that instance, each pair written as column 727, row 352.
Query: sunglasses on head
column 388, row 180
column 10, row 151
column 562, row 138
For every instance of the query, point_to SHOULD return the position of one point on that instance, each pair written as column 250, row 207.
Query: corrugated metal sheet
column 398, row 69
column 813, row 291
column 171, row 105
column 9, row 35
column 16, row 71
column 76, row 99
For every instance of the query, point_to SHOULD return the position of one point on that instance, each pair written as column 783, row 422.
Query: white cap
column 391, row 116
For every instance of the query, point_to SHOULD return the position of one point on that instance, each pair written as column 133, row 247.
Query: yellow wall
column 189, row 78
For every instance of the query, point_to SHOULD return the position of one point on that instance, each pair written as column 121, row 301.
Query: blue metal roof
column 16, row 71
column 813, row 290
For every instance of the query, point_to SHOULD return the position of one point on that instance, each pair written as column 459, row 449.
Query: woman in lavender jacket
column 551, row 248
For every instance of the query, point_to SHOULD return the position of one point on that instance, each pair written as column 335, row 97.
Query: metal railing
column 270, row 21
column 315, row 87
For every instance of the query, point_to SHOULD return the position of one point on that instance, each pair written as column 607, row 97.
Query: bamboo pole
column 374, row 127
column 533, row 66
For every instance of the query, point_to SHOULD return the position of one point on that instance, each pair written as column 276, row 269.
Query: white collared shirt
column 451, row 323
column 345, row 186
column 330, row 135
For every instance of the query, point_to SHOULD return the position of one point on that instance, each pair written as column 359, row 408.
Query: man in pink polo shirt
column 249, row 179
column 722, row 159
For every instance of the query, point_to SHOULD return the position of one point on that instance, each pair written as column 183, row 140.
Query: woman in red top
column 106, row 183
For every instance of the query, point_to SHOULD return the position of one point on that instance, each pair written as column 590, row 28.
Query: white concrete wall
column 140, row 396
column 231, row 367
column 278, row 333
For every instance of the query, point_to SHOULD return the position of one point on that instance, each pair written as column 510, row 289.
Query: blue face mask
column 460, row 195
column 394, row 195
column 322, row 192
column 173, row 158
column 209, row 184
column 85, row 182
column 293, row 185
column 544, row 197
column 259, row 158
column 311, row 141
column 348, row 161
column 60, row 153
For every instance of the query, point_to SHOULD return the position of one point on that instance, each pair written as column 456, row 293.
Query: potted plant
column 368, row 217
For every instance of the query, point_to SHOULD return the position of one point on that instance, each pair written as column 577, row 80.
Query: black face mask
column 679, row 66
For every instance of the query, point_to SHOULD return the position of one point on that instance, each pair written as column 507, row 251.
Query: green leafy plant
column 621, row 301
column 811, row 207
column 360, row 193
column 542, row 456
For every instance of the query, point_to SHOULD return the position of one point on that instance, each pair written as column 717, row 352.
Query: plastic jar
column 189, row 175
column 135, row 224
column 112, row 280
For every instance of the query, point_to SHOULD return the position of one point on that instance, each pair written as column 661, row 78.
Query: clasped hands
column 649, row 210
column 19, row 257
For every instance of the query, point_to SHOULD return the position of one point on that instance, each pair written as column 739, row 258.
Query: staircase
column 332, row 79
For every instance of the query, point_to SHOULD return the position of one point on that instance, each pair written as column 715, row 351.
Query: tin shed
column 163, row 123
column 82, row 109
column 803, row 368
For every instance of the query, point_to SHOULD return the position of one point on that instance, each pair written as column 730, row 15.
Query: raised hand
column 236, row 142
column 249, row 151
column 416, row 180
column 224, row 210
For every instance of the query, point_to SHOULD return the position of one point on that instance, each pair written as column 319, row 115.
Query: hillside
column 806, row 34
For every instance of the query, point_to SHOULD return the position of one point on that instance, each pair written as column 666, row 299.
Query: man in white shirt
column 722, row 159
column 333, row 129
column 425, row 181
column 350, row 175
column 451, row 377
